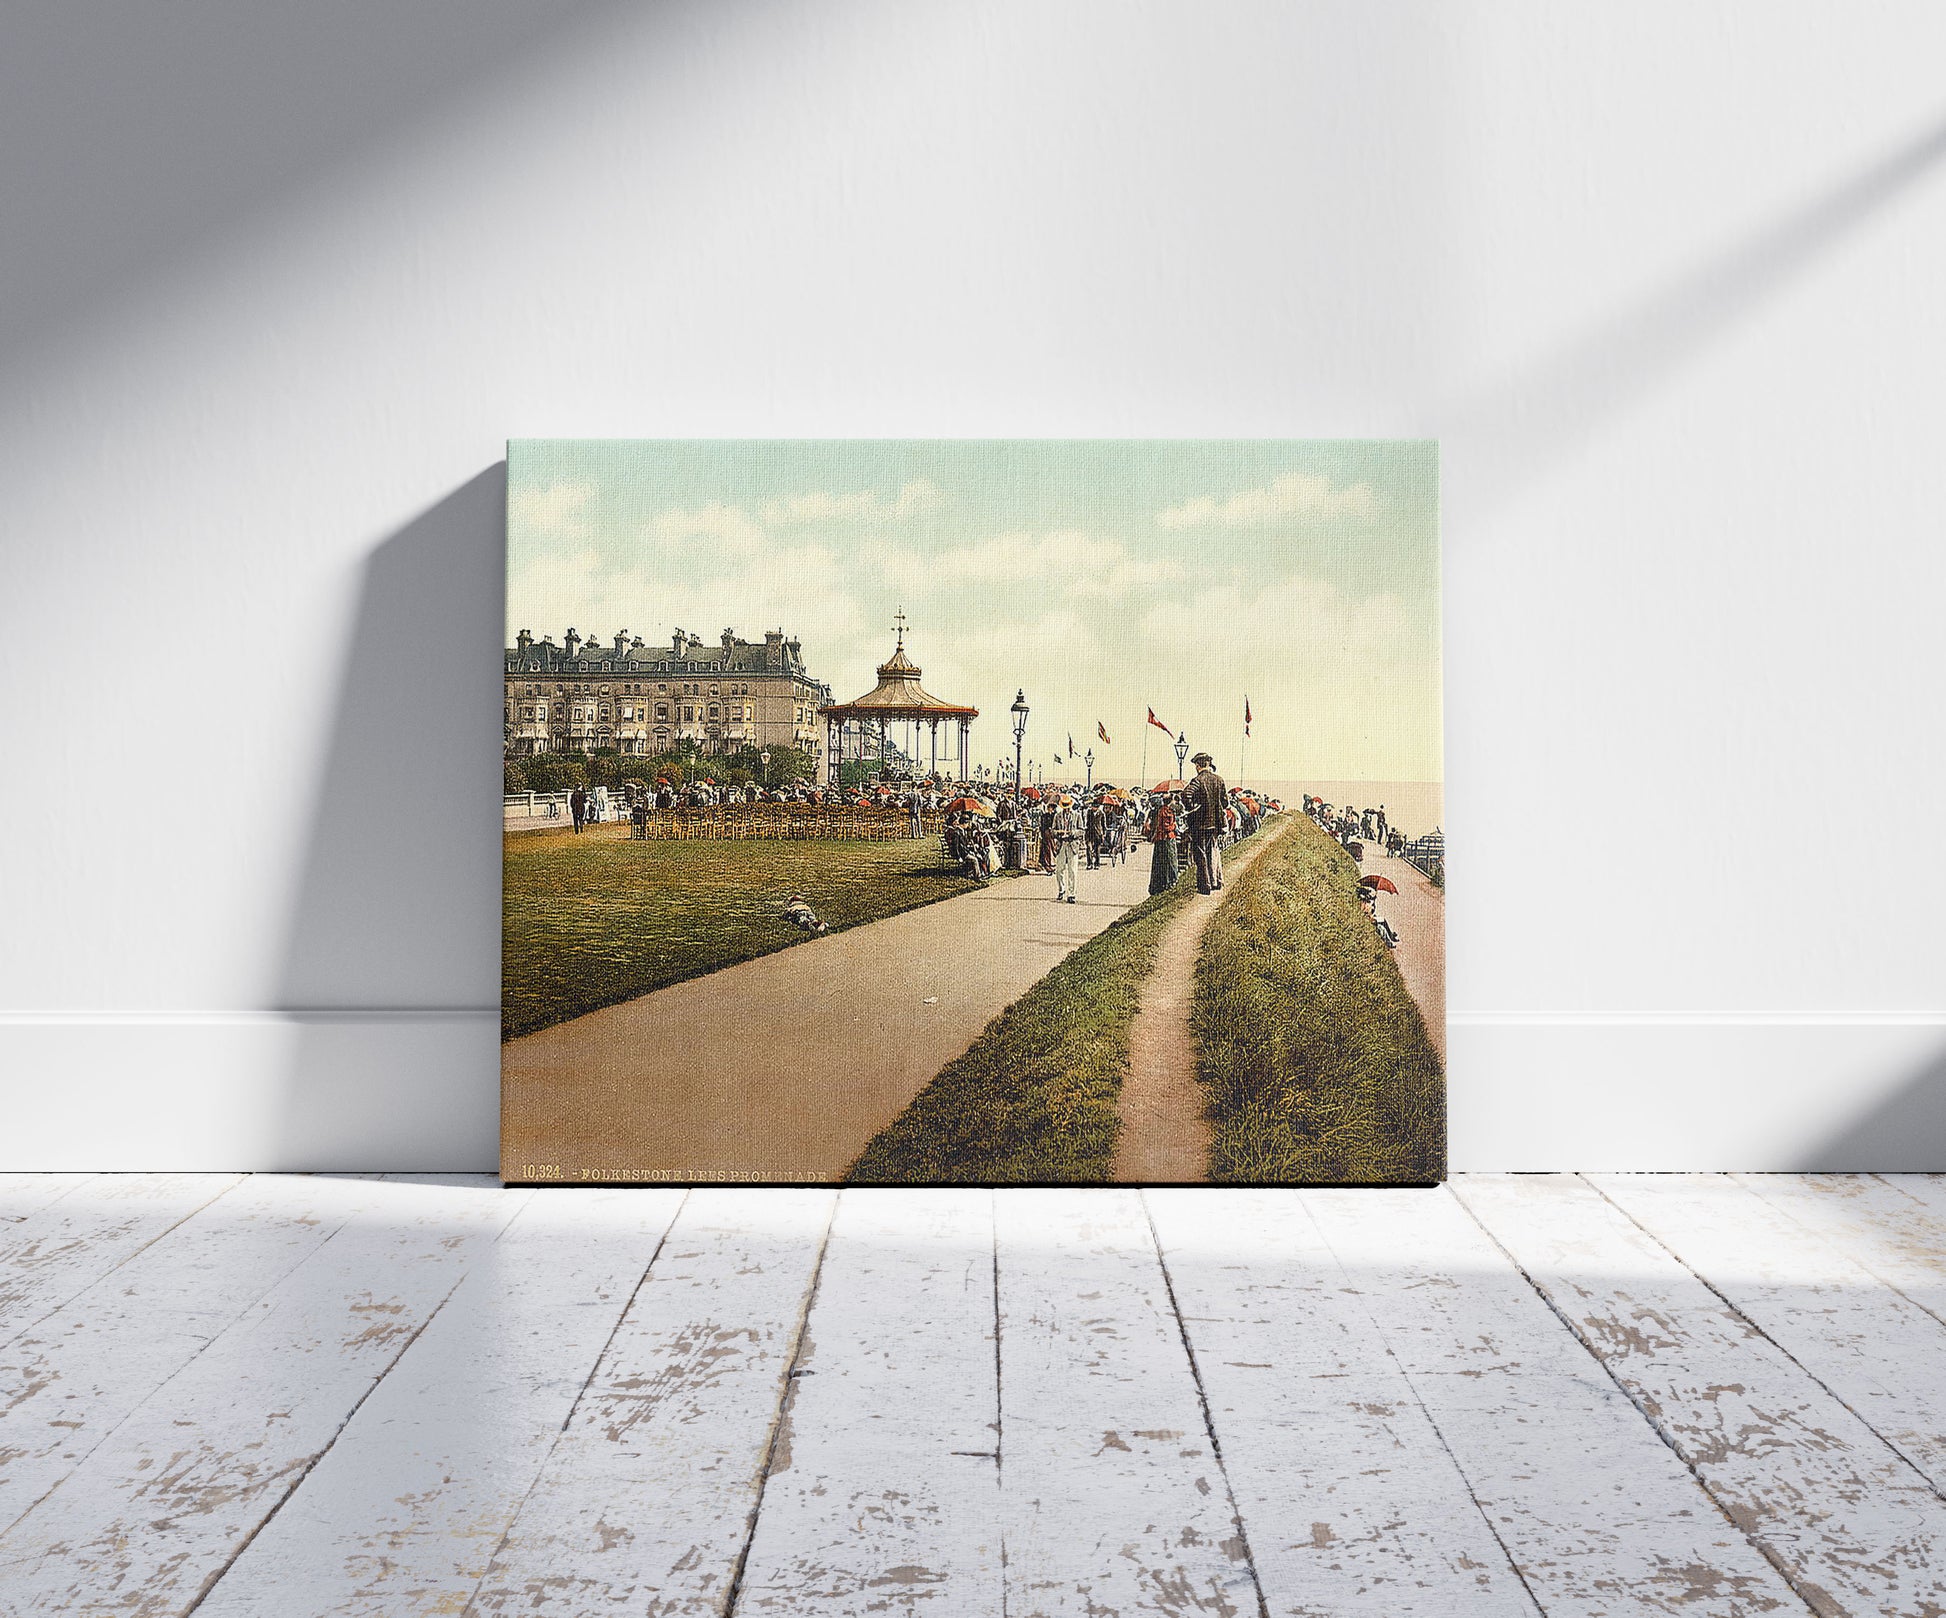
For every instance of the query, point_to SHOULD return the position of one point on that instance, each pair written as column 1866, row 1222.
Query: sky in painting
column 1103, row 578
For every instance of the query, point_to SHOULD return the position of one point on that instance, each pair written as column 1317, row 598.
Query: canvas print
column 978, row 813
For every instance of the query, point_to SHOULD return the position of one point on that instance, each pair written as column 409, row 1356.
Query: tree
column 513, row 778
column 554, row 772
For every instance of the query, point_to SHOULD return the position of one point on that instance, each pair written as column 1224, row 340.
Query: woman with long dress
column 1164, row 867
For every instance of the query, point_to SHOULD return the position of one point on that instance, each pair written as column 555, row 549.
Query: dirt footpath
column 1165, row 1136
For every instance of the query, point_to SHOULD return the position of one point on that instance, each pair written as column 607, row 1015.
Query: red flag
column 1159, row 725
column 1246, row 716
column 1101, row 730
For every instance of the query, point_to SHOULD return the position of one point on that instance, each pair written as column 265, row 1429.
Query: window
column 716, row 691
column 662, row 710
column 715, row 711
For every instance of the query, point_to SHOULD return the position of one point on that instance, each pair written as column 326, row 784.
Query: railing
column 783, row 822
column 1427, row 855
column 766, row 822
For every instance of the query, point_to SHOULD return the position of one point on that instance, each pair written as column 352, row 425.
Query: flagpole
column 1144, row 782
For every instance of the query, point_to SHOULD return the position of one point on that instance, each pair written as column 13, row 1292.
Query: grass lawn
column 1314, row 1056
column 599, row 918
column 1035, row 1099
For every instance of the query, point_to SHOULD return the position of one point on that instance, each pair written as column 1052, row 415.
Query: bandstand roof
column 898, row 695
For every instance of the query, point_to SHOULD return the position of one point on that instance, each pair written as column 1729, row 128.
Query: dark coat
column 1205, row 798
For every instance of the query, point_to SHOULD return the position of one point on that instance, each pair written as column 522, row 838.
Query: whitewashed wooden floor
column 1564, row 1395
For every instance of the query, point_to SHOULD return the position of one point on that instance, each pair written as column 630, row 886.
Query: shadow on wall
column 176, row 126
column 1516, row 432
column 392, row 956
column 1906, row 1133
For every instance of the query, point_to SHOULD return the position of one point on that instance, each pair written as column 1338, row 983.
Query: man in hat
column 1206, row 799
column 1064, row 826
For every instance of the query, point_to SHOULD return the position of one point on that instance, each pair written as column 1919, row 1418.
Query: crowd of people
column 1354, row 829
column 1356, row 826
column 1063, row 830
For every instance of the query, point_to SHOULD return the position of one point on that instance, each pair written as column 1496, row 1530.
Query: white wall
column 279, row 281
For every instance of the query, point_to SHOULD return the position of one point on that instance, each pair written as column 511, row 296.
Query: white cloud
column 916, row 499
column 1296, row 498
column 1308, row 621
column 1075, row 563
column 729, row 528
column 553, row 512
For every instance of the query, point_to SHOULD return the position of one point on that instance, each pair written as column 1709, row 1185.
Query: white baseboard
column 251, row 1090
column 1758, row 1093
column 419, row 1090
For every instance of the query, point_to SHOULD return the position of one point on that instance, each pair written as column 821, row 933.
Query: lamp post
column 1019, row 711
column 1182, row 752
column 765, row 757
column 1088, row 758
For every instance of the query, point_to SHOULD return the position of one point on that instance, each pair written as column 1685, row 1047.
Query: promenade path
column 786, row 1066
column 1418, row 911
column 1165, row 1136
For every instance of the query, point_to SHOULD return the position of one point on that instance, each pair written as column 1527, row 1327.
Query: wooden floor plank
column 73, row 1377
column 1598, row 1515
column 23, row 1194
column 1351, row 1502
column 158, row 1509
column 404, row 1513
column 1113, row 1498
column 1876, row 1351
column 1894, row 1224
column 884, row 1493
column 60, row 1249
column 645, row 1504
column 1853, row 1525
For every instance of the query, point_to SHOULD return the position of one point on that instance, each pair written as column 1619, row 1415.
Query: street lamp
column 765, row 757
column 1019, row 711
column 1088, row 758
column 1182, row 752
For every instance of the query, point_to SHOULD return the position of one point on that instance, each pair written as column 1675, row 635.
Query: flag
column 1159, row 725
column 1101, row 730
column 1070, row 744
column 1246, row 716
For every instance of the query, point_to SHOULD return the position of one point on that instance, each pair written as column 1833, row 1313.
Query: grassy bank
column 1033, row 1099
column 1315, row 1059
column 592, row 920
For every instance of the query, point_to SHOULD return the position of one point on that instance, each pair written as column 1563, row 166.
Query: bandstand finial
column 898, row 623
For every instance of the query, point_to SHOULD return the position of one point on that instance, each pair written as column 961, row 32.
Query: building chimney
column 729, row 643
column 621, row 642
column 571, row 640
column 773, row 648
column 522, row 641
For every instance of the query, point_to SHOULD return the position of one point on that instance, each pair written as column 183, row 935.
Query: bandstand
column 897, row 700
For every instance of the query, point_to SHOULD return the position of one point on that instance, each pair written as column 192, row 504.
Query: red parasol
column 1167, row 786
column 1379, row 884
